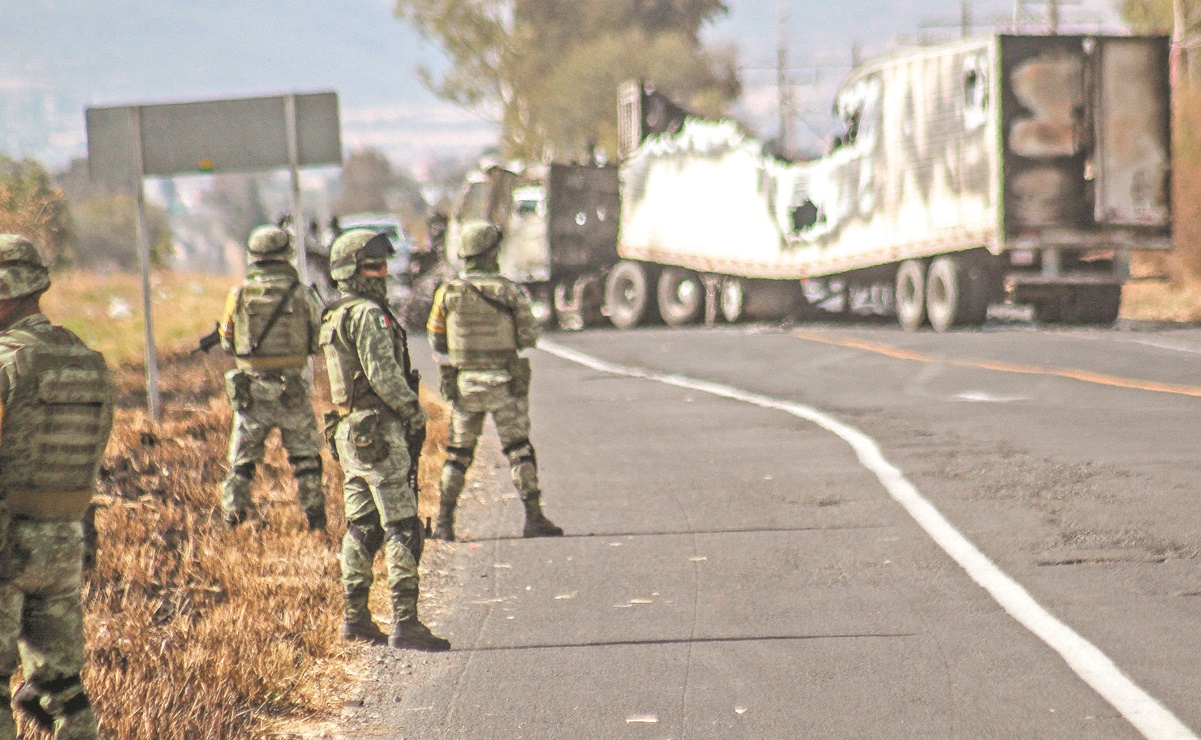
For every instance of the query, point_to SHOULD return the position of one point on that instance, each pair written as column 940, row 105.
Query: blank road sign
column 241, row 135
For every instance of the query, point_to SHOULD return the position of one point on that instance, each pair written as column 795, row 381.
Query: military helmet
column 357, row 247
column 477, row 238
column 267, row 243
column 22, row 270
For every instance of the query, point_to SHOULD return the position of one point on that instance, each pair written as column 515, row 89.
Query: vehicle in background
column 1019, row 167
column 559, row 224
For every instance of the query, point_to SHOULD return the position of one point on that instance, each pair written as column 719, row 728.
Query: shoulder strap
column 274, row 317
column 498, row 305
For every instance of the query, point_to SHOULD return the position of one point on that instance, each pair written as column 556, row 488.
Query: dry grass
column 1177, row 299
column 106, row 310
column 195, row 631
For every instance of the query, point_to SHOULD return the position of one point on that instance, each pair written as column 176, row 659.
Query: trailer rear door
column 1132, row 122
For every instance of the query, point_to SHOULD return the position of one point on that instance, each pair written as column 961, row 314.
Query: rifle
column 208, row 341
column 413, row 378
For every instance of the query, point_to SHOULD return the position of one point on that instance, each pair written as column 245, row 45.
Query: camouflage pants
column 380, row 507
column 41, row 627
column 484, row 392
column 262, row 402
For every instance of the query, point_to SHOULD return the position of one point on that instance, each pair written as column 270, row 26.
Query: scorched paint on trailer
column 933, row 137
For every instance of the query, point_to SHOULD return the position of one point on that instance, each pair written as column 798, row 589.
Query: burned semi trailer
column 1025, row 167
column 559, row 224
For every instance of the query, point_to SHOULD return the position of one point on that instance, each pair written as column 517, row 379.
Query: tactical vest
column 479, row 334
column 348, row 385
column 56, row 424
column 258, row 299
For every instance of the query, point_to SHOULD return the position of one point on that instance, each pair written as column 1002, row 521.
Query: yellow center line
column 1005, row 367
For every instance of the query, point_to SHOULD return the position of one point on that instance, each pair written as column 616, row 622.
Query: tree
column 105, row 224
column 1148, row 16
column 235, row 201
column 30, row 205
column 367, row 177
column 106, row 233
column 371, row 184
column 551, row 68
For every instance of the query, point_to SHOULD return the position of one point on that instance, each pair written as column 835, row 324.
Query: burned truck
column 559, row 225
column 1004, row 167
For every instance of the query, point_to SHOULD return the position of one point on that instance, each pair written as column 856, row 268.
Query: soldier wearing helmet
column 378, row 419
column 270, row 327
column 56, row 413
column 482, row 321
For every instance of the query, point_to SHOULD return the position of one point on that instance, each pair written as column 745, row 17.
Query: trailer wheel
column 681, row 296
column 627, row 294
column 1100, row 304
column 911, row 295
column 732, row 299
column 957, row 293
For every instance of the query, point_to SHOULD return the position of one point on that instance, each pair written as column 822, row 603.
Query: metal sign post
column 128, row 143
column 299, row 225
column 143, row 237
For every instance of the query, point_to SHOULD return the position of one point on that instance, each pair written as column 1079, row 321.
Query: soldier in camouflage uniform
column 270, row 327
column 482, row 320
column 378, row 418
column 56, row 412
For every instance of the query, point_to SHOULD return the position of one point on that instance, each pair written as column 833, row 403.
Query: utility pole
column 965, row 18
column 1019, row 15
column 1053, row 16
column 784, row 85
column 1176, row 64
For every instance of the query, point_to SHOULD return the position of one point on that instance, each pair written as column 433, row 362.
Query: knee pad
column 460, row 458
column 244, row 470
column 409, row 534
column 306, row 465
column 520, row 452
column 367, row 532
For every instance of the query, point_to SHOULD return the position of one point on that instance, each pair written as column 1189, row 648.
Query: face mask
column 374, row 288
column 487, row 262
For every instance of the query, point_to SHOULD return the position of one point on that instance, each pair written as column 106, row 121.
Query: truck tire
column 628, row 296
column 681, row 296
column 911, row 295
column 958, row 291
column 1099, row 304
column 732, row 299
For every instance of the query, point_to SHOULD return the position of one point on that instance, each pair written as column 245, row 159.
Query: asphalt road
column 737, row 571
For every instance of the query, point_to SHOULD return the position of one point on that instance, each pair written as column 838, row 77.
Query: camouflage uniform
column 56, row 410
column 378, row 417
column 483, row 320
column 268, row 388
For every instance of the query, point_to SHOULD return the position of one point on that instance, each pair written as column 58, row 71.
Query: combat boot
column 444, row 527
column 358, row 626
column 363, row 629
column 411, row 634
column 536, row 523
column 317, row 520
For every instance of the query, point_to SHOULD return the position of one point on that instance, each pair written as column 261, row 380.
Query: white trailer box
column 1028, row 164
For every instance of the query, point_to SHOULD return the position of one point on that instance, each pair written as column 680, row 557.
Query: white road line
column 1164, row 344
column 1147, row 715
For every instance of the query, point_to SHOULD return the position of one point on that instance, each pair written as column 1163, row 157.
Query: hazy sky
column 63, row 55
